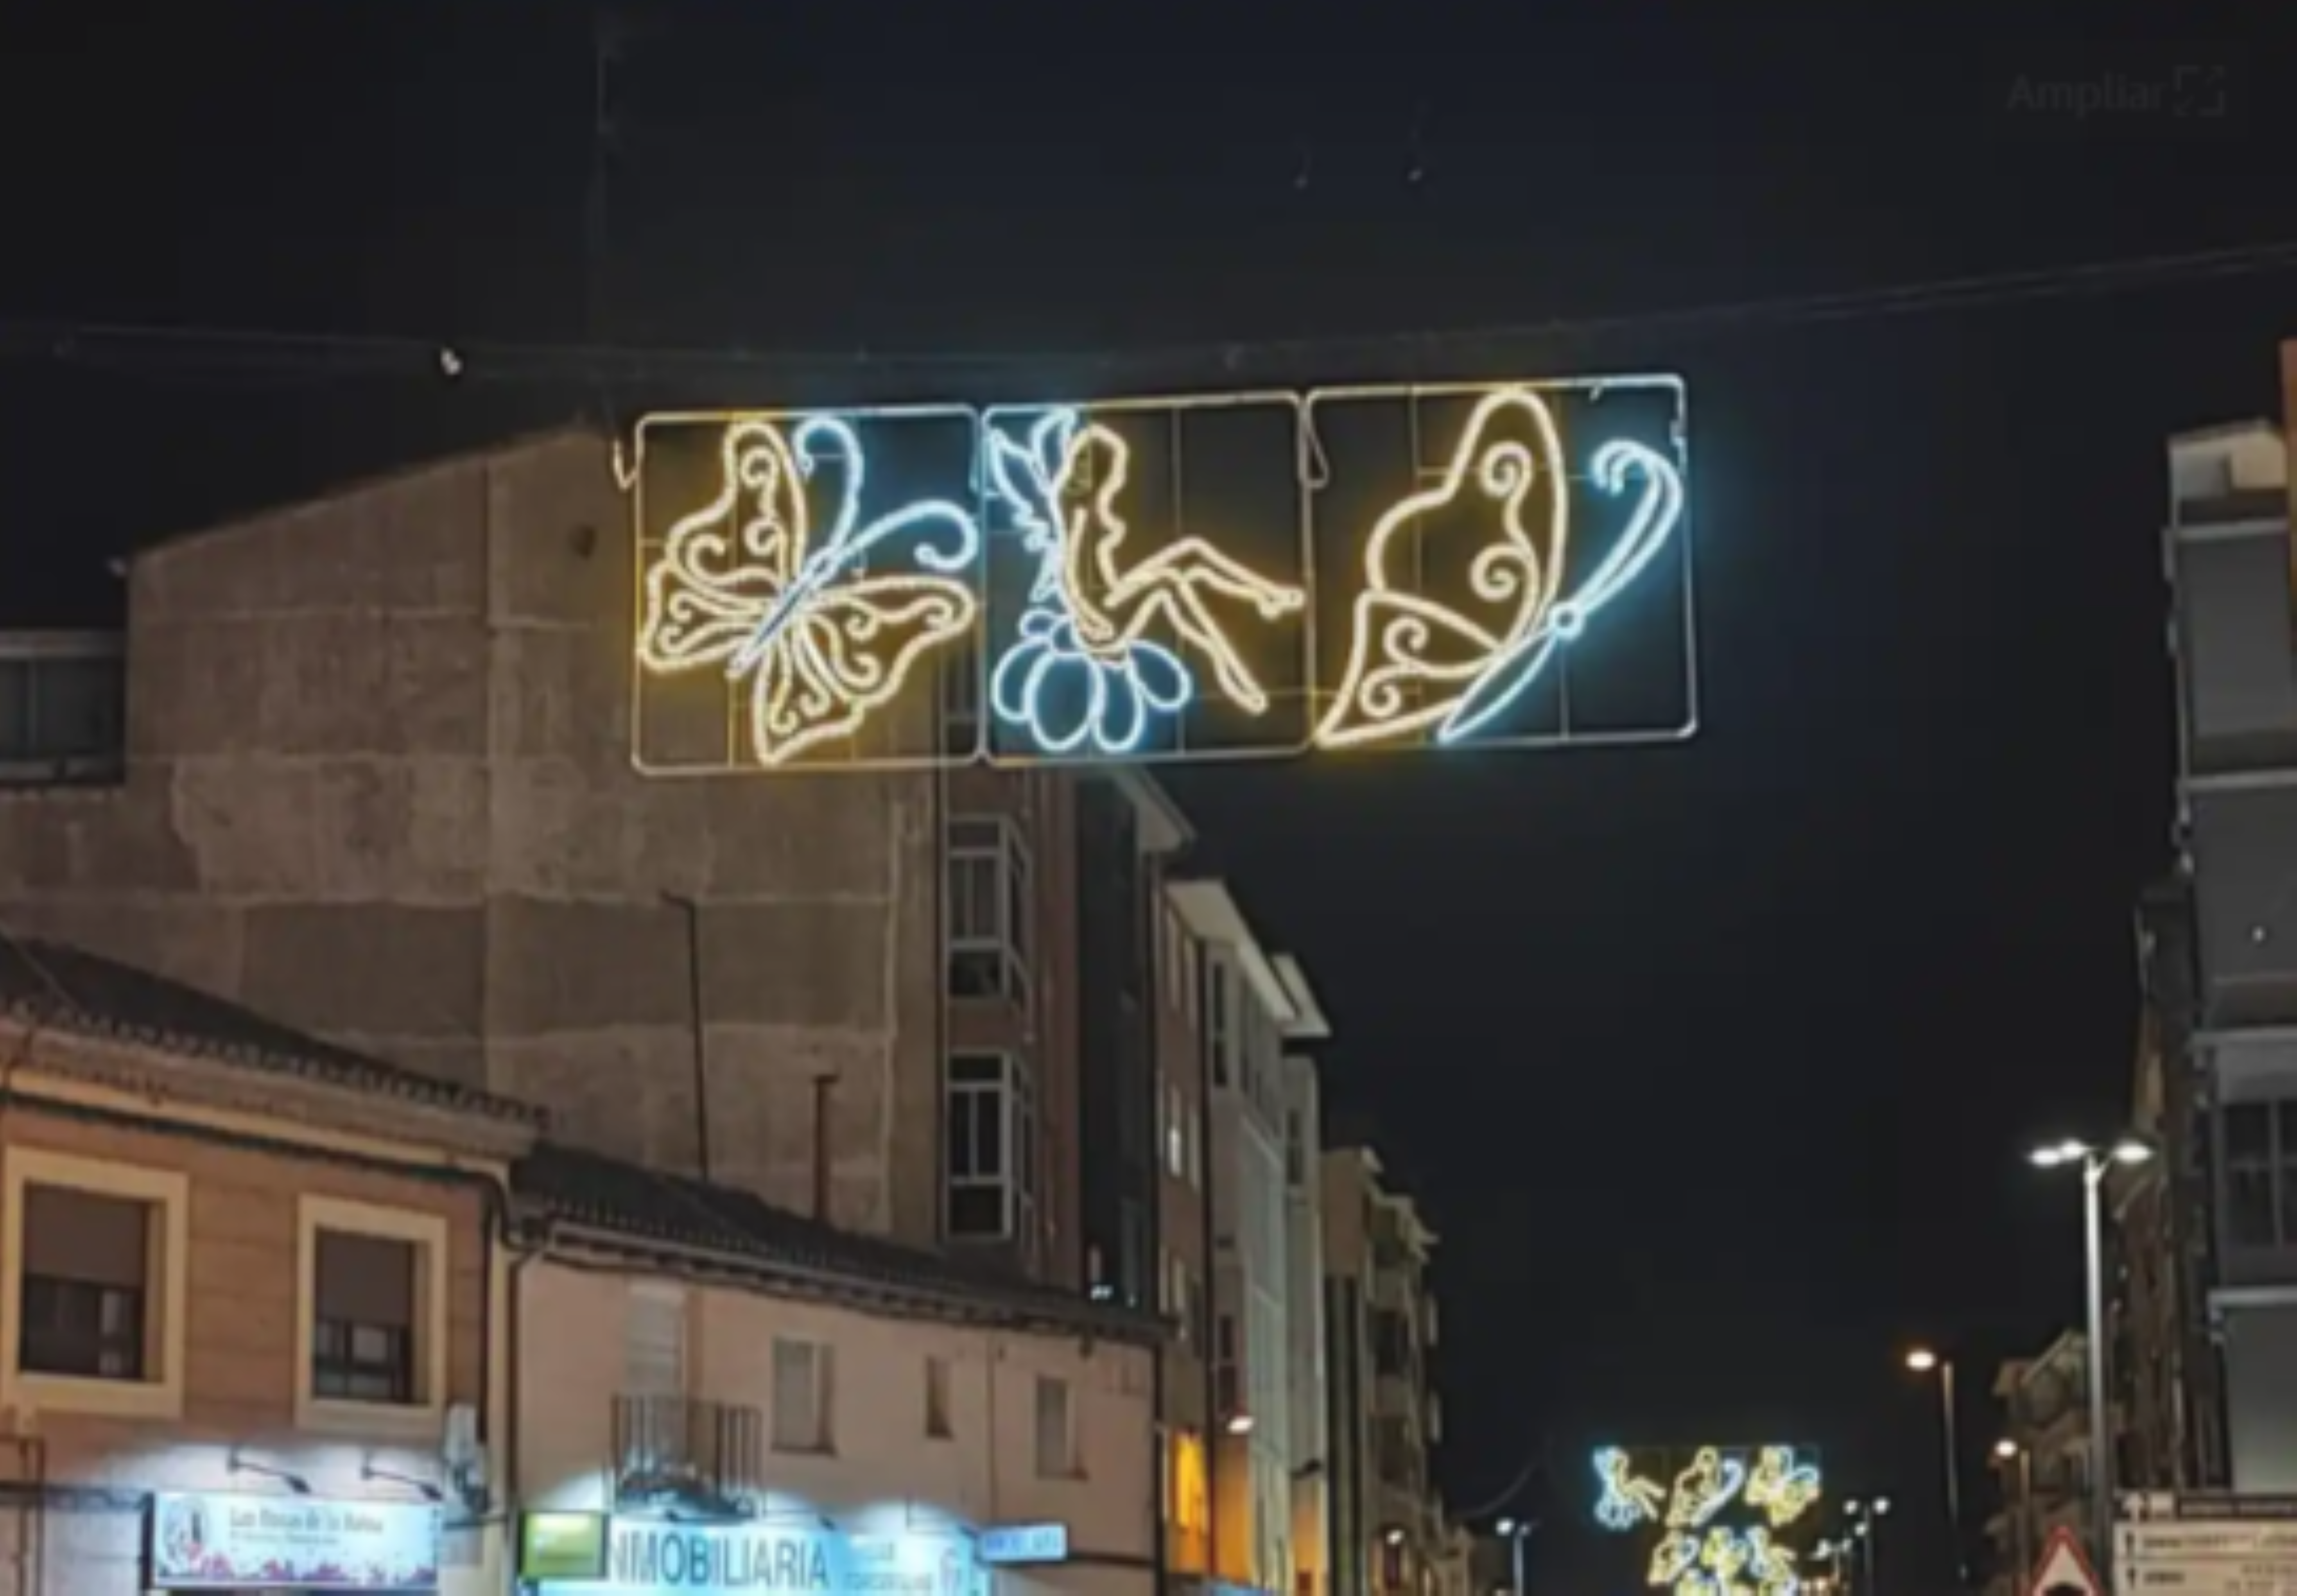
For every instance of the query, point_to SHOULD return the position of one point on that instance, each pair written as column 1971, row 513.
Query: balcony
column 675, row 1447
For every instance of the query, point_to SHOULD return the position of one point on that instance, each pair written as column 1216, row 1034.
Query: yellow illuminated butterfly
column 819, row 640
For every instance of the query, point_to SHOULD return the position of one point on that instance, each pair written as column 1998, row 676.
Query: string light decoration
column 1627, row 1501
column 818, row 639
column 1416, row 667
column 1780, row 1486
column 1083, row 671
column 1702, row 1543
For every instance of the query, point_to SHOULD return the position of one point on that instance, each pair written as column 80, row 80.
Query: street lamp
column 1516, row 1532
column 1922, row 1361
column 2005, row 1452
column 1866, row 1517
column 2093, row 1162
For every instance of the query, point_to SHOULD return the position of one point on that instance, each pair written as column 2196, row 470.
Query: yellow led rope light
column 743, row 589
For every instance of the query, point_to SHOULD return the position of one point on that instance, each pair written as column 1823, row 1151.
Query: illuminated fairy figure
column 821, row 640
column 1416, row 665
column 1626, row 1499
column 1726, row 1557
column 1780, row 1486
column 1085, row 669
column 1704, row 1488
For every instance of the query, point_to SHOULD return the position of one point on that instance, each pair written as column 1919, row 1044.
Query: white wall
column 883, row 1470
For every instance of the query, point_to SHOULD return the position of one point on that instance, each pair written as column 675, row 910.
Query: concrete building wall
column 883, row 1468
column 1303, row 1313
column 379, row 786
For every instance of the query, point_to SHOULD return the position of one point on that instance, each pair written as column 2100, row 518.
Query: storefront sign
column 210, row 1541
column 562, row 1546
column 768, row 1559
column 1025, row 1543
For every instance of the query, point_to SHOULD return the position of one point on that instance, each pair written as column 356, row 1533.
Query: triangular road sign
column 2064, row 1568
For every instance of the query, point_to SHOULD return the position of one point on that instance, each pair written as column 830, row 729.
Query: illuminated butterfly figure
column 1626, row 1499
column 1084, row 670
column 1413, row 663
column 1772, row 1564
column 1704, row 1488
column 822, row 641
column 1780, row 1486
column 1675, row 1559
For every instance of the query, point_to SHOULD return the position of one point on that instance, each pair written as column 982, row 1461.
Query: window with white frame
column 94, row 1265
column 1056, row 1430
column 801, row 1395
column 990, row 1161
column 373, row 1288
column 989, row 909
column 2260, row 1174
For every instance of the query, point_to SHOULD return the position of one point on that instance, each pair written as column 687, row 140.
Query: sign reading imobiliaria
column 205, row 1541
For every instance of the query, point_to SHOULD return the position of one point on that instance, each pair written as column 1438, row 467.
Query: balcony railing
column 676, row 1446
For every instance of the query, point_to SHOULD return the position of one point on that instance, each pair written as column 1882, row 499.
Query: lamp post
column 2093, row 1162
column 1865, row 1519
column 2022, row 1504
column 1922, row 1361
column 1516, row 1532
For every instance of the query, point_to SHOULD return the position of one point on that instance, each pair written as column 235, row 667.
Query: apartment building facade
column 247, row 1287
column 1255, row 1005
column 365, row 763
column 715, row 1393
column 2043, row 1459
column 1185, row 1239
column 1388, row 1534
column 2227, row 553
column 1304, row 1314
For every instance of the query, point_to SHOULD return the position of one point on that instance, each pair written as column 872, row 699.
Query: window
column 1296, row 1149
column 1228, row 1387
column 372, row 1320
column 86, row 1268
column 93, row 1263
column 961, row 700
column 801, row 1396
column 990, row 1157
column 62, row 708
column 2260, row 1174
column 363, row 1338
column 1216, row 1020
column 1176, row 1130
column 989, row 910
column 1057, row 1438
column 653, row 1341
column 938, row 1424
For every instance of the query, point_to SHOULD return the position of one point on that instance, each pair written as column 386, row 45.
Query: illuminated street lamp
column 1516, row 1532
column 1865, row 1519
column 1922, row 1361
column 2093, row 1162
column 2007, row 1451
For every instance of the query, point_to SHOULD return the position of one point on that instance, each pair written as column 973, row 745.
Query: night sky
column 1712, row 1064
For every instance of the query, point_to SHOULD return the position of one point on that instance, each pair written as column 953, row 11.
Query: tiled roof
column 642, row 1206
column 66, row 989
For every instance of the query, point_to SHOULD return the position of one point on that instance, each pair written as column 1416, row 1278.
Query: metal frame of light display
column 1729, row 1521
column 1138, row 580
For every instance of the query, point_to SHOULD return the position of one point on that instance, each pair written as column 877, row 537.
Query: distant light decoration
column 1783, row 1489
column 1082, row 672
column 1704, row 1544
column 1627, row 1501
column 1704, row 1488
column 1418, row 667
column 821, row 640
